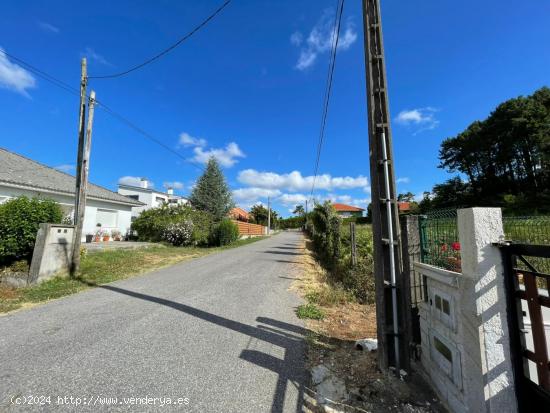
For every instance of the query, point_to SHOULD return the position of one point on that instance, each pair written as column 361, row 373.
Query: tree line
column 501, row 161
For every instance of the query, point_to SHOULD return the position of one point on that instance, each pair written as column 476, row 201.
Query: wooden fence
column 246, row 228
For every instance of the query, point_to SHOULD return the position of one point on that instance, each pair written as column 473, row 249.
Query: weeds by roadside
column 311, row 311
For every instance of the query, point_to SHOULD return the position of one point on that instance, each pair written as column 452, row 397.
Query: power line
column 68, row 88
column 167, row 50
column 328, row 89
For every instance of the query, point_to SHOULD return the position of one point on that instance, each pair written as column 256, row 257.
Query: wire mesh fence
column 527, row 230
column 439, row 244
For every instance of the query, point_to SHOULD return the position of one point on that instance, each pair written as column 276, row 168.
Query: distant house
column 21, row 176
column 347, row 211
column 404, row 207
column 149, row 197
column 239, row 214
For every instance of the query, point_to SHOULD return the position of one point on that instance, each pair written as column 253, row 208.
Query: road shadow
column 291, row 369
column 288, row 248
column 282, row 252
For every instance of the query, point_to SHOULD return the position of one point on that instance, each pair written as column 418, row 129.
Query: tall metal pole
column 390, row 311
column 268, row 217
column 79, row 158
column 84, row 170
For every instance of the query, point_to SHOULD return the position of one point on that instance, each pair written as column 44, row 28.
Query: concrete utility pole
column 391, row 309
column 268, row 217
column 79, row 157
column 82, row 185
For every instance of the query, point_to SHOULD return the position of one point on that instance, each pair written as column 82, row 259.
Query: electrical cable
column 328, row 89
column 168, row 49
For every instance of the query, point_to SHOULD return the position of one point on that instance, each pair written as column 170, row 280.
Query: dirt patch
column 345, row 379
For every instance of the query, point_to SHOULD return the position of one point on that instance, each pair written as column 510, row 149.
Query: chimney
column 170, row 191
column 144, row 183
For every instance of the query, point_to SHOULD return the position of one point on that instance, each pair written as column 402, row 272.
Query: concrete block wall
column 52, row 252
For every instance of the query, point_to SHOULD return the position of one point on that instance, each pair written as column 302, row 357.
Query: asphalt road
column 219, row 333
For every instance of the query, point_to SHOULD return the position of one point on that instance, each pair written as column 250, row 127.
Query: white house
column 149, row 197
column 20, row 176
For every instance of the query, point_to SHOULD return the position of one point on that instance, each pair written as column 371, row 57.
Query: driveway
column 215, row 334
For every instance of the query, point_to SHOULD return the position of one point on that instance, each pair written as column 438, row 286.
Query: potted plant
column 89, row 238
column 97, row 235
column 105, row 236
column 116, row 235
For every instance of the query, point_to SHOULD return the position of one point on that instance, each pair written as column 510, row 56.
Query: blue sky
column 248, row 88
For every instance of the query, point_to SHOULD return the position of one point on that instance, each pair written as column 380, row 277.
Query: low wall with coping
column 463, row 319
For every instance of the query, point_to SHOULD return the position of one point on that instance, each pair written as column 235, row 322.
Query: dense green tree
column 406, row 197
column 505, row 159
column 258, row 214
column 299, row 210
column 211, row 193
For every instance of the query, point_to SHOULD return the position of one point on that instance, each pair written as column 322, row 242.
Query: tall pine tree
column 211, row 193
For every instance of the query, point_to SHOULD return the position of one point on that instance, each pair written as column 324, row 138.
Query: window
column 442, row 304
column 443, row 349
column 107, row 218
column 136, row 197
column 160, row 199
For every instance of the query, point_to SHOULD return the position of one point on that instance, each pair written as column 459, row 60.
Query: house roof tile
column 21, row 171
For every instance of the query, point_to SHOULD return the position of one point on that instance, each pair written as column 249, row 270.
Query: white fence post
column 487, row 366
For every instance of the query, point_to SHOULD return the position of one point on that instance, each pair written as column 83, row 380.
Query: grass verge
column 103, row 267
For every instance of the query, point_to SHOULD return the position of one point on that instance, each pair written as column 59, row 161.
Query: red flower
column 456, row 246
column 444, row 247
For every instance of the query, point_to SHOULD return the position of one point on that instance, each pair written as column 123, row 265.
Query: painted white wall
column 151, row 199
column 123, row 212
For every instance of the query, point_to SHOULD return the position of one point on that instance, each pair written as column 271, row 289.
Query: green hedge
column 225, row 233
column 19, row 222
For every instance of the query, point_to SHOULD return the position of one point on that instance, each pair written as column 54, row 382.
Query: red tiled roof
column 404, row 206
column 239, row 214
column 346, row 208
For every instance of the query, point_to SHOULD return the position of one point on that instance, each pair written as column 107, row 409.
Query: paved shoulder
column 214, row 334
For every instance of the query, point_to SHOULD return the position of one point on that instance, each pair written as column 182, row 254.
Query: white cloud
column 403, row 180
column 14, row 77
column 188, row 140
column 321, row 39
column 93, row 55
column 254, row 194
column 292, row 199
column 349, row 200
column 225, row 156
column 65, row 168
column 173, row 185
column 133, row 181
column 294, row 181
column 423, row 117
column 48, row 27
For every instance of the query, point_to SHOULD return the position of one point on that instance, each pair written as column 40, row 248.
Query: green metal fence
column 527, row 230
column 439, row 244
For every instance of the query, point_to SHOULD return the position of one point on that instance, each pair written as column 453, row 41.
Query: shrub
column 225, row 233
column 152, row 224
column 180, row 233
column 19, row 222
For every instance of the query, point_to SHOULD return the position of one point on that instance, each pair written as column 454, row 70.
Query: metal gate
column 527, row 279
